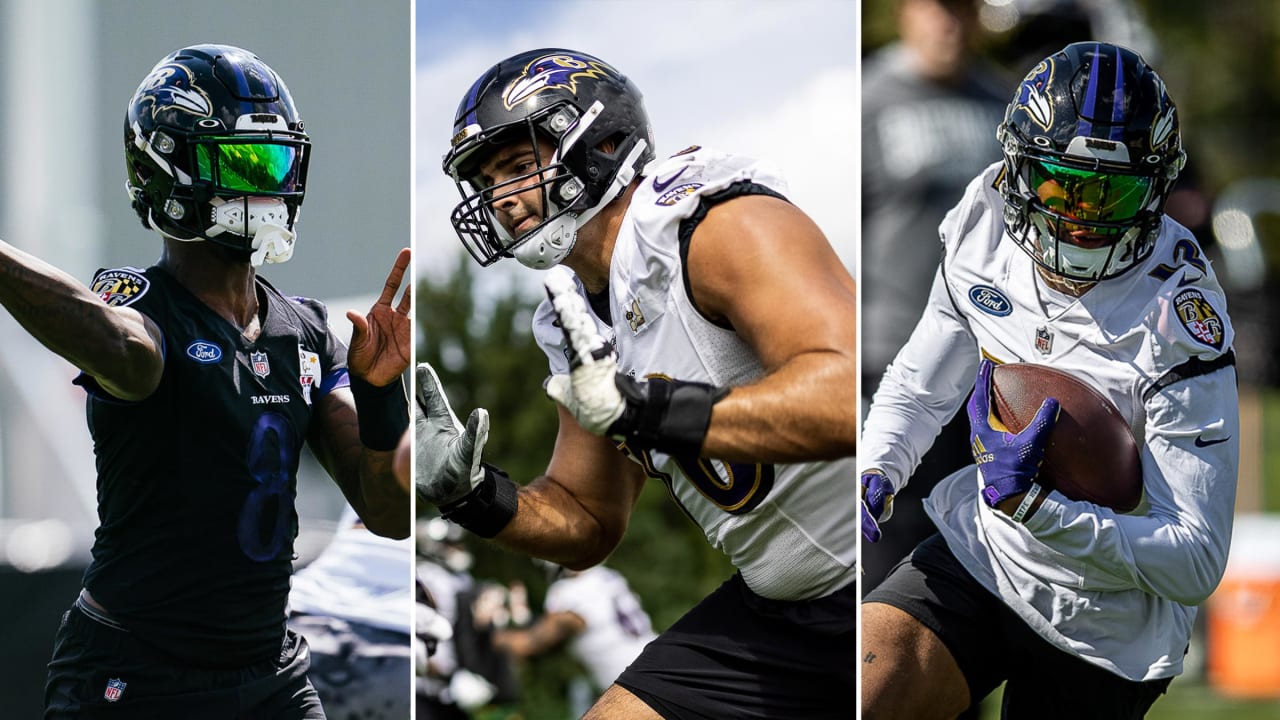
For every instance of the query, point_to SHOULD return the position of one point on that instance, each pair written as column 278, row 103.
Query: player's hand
column 1007, row 463
column 668, row 415
column 877, row 503
column 380, row 342
column 448, row 454
column 589, row 392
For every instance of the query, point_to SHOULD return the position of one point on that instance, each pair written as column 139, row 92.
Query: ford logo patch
column 205, row 353
column 990, row 300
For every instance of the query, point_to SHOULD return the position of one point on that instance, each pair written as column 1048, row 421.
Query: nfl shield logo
column 1044, row 340
column 261, row 367
column 115, row 688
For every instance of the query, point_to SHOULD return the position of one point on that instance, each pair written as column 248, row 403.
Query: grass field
column 1186, row 700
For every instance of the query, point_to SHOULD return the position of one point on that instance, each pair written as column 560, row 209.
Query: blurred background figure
column 466, row 676
column 1023, row 32
column 62, row 198
column 595, row 614
column 430, row 627
column 353, row 604
column 929, row 104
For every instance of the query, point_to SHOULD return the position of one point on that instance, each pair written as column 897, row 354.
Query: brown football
column 1091, row 453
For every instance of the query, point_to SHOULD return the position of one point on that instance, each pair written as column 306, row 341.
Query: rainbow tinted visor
column 1089, row 196
column 267, row 166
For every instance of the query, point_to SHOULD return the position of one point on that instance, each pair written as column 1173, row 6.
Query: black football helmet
column 1091, row 152
column 588, row 115
column 215, row 151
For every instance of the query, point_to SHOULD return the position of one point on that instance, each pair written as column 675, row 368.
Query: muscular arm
column 367, row 477
column 547, row 633
column 761, row 265
column 577, row 512
column 118, row 346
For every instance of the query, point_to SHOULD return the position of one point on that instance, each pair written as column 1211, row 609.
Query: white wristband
column 1021, row 513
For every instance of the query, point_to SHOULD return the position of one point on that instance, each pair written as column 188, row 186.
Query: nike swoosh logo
column 660, row 185
column 1202, row 443
column 1188, row 281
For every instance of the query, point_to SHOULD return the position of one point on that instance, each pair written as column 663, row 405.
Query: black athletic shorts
column 103, row 671
column 991, row 644
column 738, row 655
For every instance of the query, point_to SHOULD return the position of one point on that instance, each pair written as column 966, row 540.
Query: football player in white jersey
column 705, row 338
column 1059, row 255
column 596, row 614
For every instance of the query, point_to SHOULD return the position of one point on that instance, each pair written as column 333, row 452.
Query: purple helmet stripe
column 1117, row 101
column 1085, row 126
column 472, row 102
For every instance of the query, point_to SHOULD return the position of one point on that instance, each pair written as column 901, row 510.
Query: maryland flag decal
column 1199, row 318
column 120, row 287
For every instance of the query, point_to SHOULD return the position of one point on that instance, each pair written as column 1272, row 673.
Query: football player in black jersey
column 204, row 381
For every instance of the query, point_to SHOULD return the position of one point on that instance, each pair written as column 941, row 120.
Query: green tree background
column 484, row 352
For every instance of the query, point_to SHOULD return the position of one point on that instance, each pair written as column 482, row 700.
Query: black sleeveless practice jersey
column 196, row 483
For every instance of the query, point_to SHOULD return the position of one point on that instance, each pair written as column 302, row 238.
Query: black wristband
column 382, row 413
column 488, row 508
column 667, row 415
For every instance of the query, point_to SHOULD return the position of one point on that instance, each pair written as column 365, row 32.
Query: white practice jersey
column 360, row 577
column 1117, row 590
column 789, row 528
column 617, row 627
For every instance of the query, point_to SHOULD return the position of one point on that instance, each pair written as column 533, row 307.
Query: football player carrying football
column 704, row 338
column 204, row 381
column 1059, row 255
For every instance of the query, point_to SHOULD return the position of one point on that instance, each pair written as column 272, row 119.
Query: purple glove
column 877, row 503
column 1009, row 462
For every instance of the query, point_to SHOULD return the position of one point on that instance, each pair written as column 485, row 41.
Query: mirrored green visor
column 253, row 168
column 1089, row 195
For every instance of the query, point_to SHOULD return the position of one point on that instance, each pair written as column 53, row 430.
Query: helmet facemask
column 1078, row 218
column 567, row 201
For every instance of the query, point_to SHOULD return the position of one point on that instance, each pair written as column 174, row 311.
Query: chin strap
column 553, row 242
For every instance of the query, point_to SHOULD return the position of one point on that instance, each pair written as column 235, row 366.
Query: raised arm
column 358, row 430
column 118, row 346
